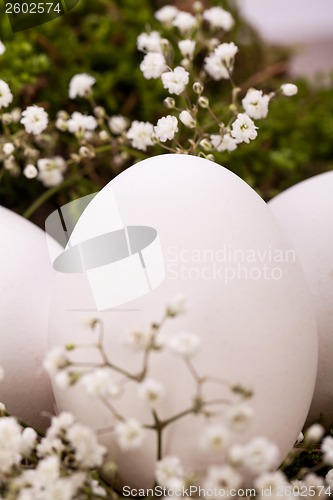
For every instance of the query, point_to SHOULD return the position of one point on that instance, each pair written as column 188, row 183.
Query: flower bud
column 169, row 102
column 7, row 118
column 197, row 7
column 203, row 102
column 288, row 89
column 99, row 112
column 103, row 135
column 187, row 119
column 314, row 434
column 210, row 157
column 206, row 145
column 198, row 87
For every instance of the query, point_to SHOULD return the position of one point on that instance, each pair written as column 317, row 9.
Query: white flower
column 166, row 14
column 226, row 52
column 327, row 449
column 60, row 424
column 8, row 148
column 185, row 22
column 48, row 470
column 51, row 170
column 329, row 478
column 138, row 340
column 149, row 42
column 243, row 128
column 153, row 65
column 10, row 439
column 187, row 48
column 175, row 81
column 63, row 379
column 256, row 104
column 215, row 438
column 224, row 476
column 2, row 48
column 81, row 85
column 176, row 305
column 49, row 446
column 215, row 68
column 257, row 456
column 88, row 452
column 272, row 482
column 16, row 114
column 300, row 438
column 55, row 360
column 118, row 124
column 288, row 89
column 223, row 142
column 169, row 472
column 30, row 171
column 28, row 441
column 187, row 119
column 314, row 433
column 151, row 391
column 238, row 416
column 6, row 96
column 100, row 384
column 35, row 119
column 130, row 434
column 184, row 343
column 141, row 134
column 166, row 128
column 219, row 18
column 81, row 123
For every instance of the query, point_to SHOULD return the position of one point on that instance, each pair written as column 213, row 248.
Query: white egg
column 26, row 285
column 246, row 295
column 305, row 212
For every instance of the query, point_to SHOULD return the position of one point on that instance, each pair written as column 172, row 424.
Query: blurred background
column 279, row 41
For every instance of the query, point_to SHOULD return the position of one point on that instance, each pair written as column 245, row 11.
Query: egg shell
column 254, row 330
column 26, row 286
column 305, row 212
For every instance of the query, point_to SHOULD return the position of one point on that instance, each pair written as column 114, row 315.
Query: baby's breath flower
column 329, row 478
column 219, row 18
column 10, row 439
column 153, row 65
column 100, row 384
column 327, row 449
column 239, row 416
column 88, row 452
column 6, row 97
column 118, row 124
column 166, row 128
column 169, row 472
column 223, row 142
column 81, row 123
column 314, row 433
column 28, row 441
column 243, row 129
column 206, row 144
column 185, row 22
column 130, row 434
column 138, row 340
column 55, row 360
column 8, row 148
column 300, row 438
column 220, row 63
column 203, row 102
column 257, row 456
column 30, row 171
column 169, row 102
column 288, row 89
column 187, row 119
column 16, row 114
column 81, row 85
column 35, row 119
column 272, row 482
column 64, row 379
column 176, row 305
column 175, row 81
column 198, row 87
column 140, row 134
column 2, row 48
column 187, row 48
column 166, row 14
column 151, row 391
column 256, row 104
column 224, row 475
column 215, row 438
column 184, row 344
column 51, row 170
column 60, row 424
column 149, row 42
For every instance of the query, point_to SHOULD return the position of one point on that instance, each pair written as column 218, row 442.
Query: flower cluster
column 187, row 55
column 57, row 465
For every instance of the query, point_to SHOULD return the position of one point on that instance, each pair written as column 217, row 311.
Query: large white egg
column 26, row 283
column 247, row 300
column 305, row 212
